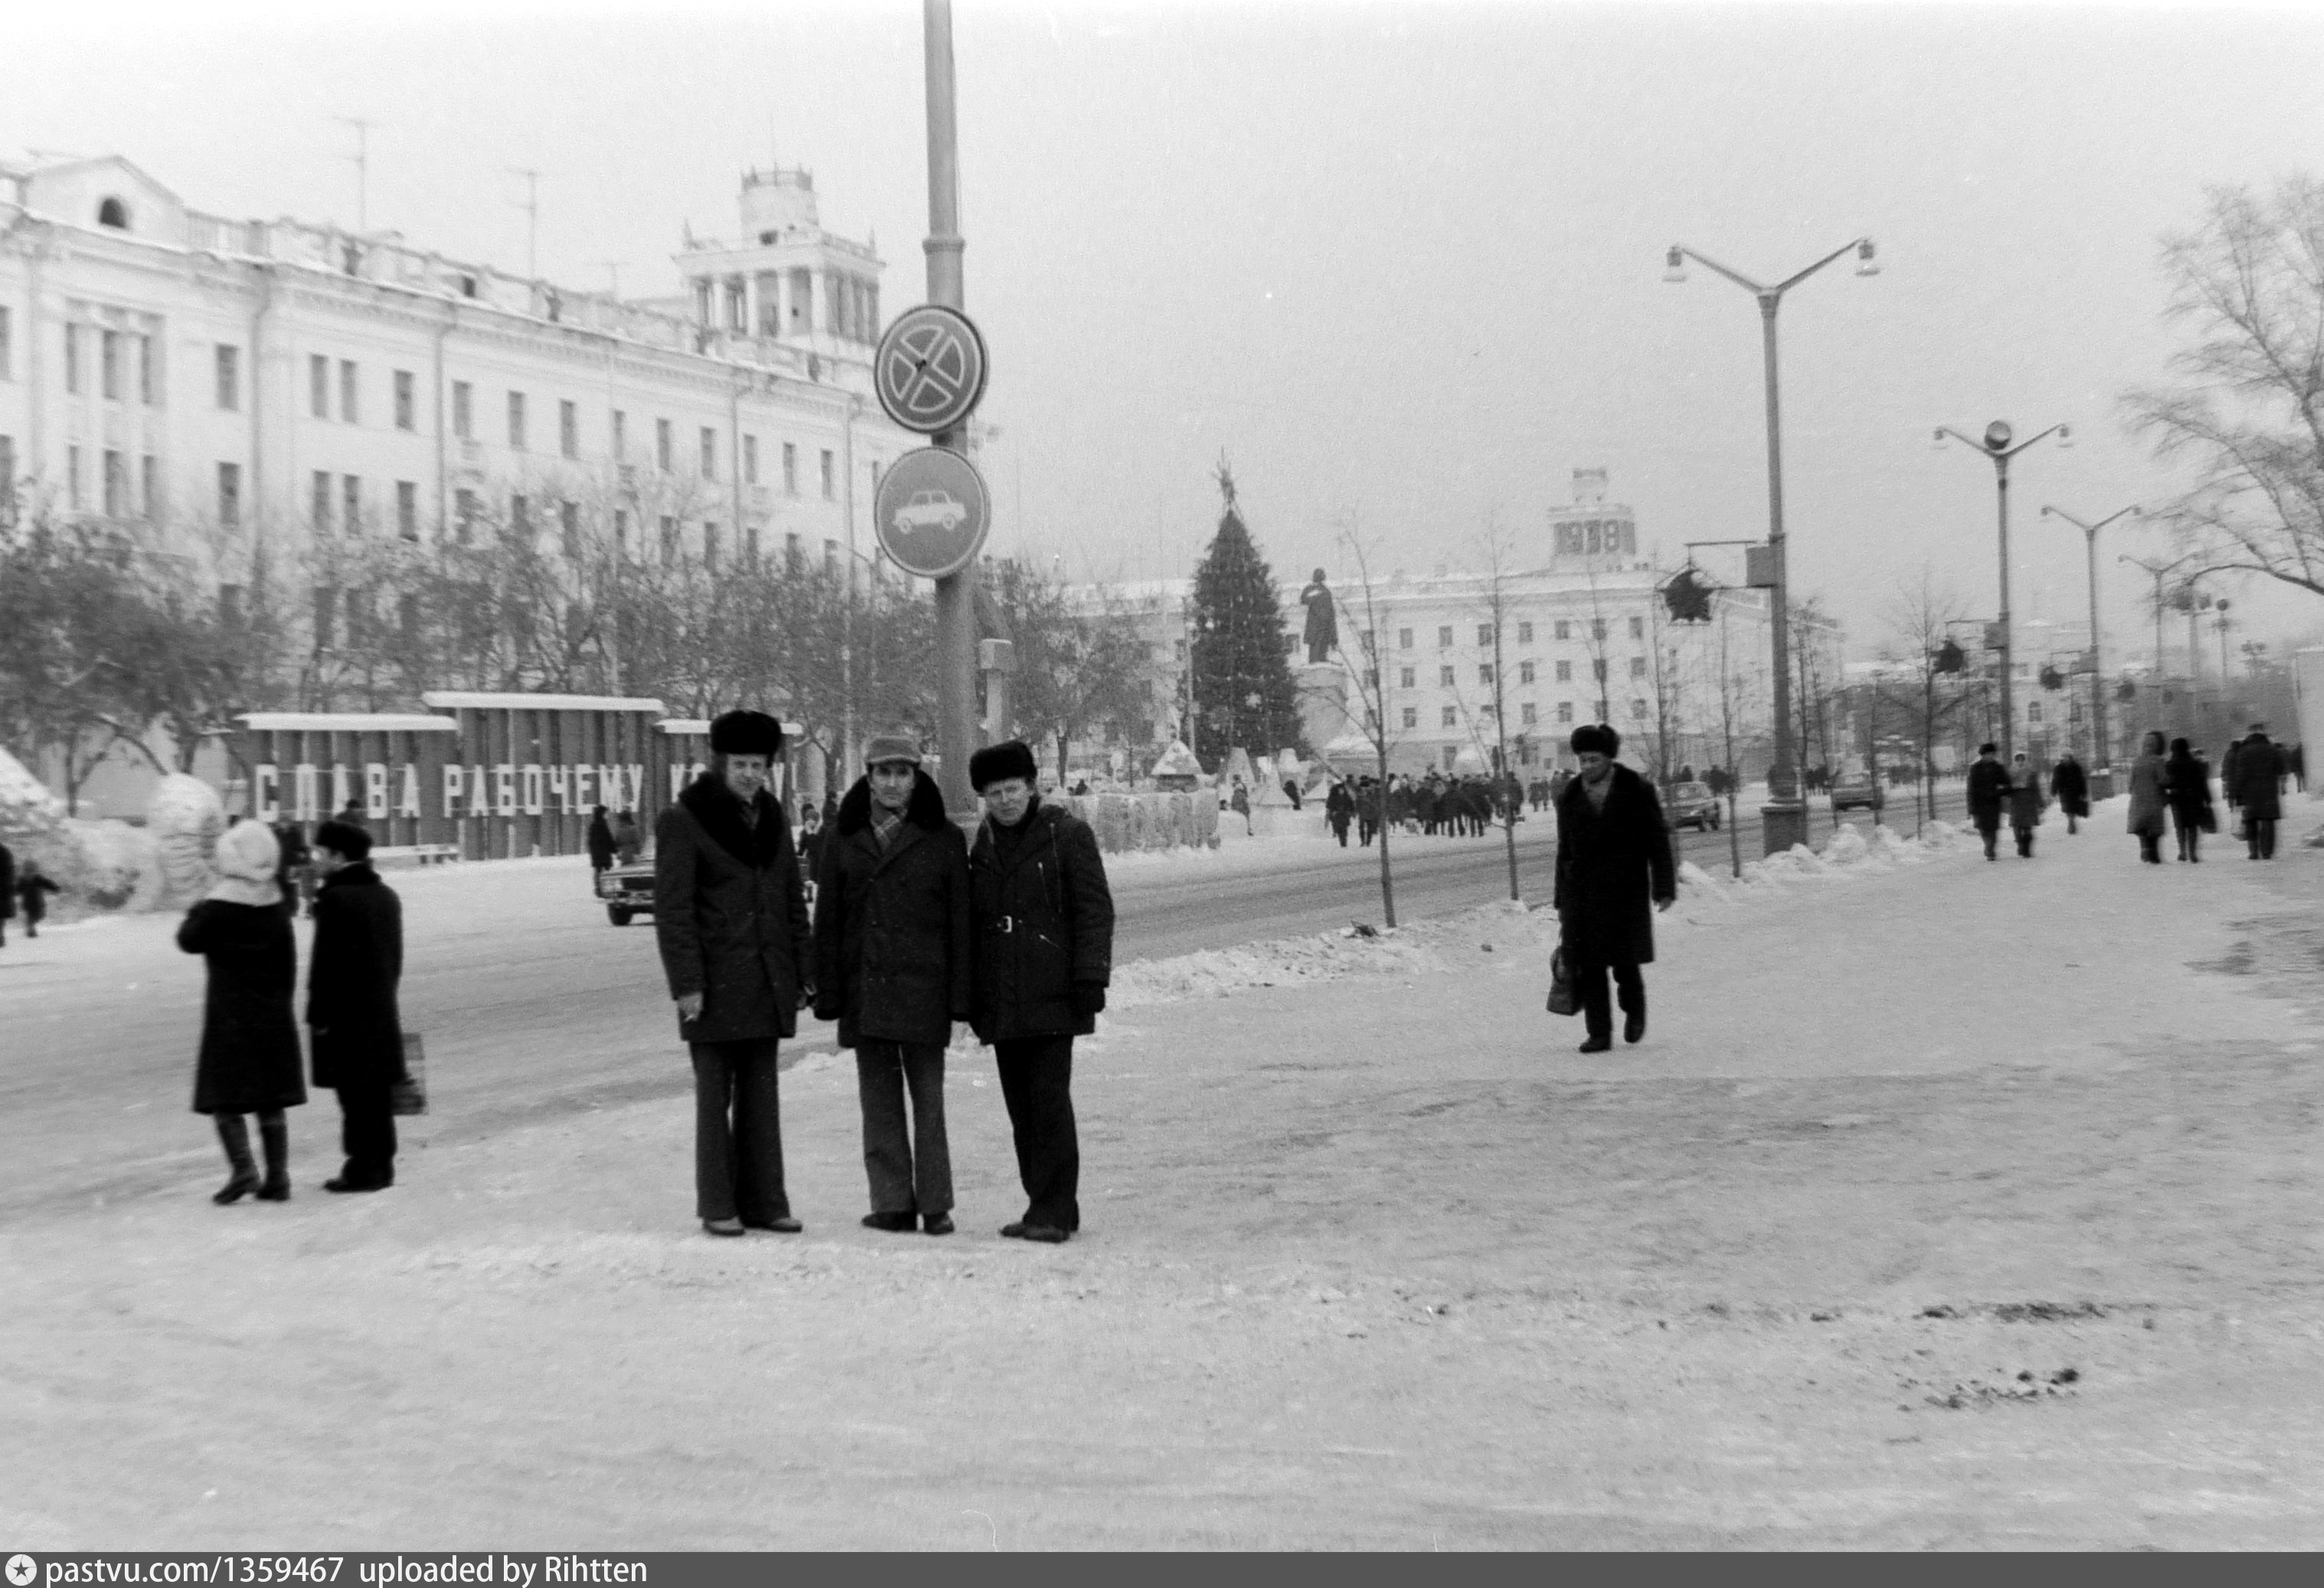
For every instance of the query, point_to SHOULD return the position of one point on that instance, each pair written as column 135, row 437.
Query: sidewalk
column 1954, row 1205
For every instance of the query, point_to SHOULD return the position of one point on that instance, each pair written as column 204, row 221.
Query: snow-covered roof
column 346, row 721
column 468, row 700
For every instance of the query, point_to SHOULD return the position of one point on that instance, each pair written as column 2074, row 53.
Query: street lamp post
column 2098, row 680
column 1995, row 446
column 1784, row 817
column 955, row 594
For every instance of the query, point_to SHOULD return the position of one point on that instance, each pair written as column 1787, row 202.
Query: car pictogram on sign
column 936, row 510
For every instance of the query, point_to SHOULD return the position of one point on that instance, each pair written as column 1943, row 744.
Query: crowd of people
column 1433, row 804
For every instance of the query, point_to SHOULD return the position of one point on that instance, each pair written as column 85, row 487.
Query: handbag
column 1562, row 999
column 409, row 1095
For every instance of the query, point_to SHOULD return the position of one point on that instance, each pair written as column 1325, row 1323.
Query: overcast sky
column 1402, row 263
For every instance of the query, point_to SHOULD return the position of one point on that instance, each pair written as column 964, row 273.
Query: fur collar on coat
column 710, row 802
column 924, row 812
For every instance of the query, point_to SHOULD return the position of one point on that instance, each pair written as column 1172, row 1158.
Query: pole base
column 1782, row 824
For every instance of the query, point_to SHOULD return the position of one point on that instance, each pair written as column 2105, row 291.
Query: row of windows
column 125, row 363
column 1562, row 629
column 119, row 492
column 1528, row 714
column 1447, row 675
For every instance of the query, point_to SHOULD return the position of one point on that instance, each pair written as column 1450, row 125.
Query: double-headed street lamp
column 1786, row 815
column 2097, row 682
column 1996, row 447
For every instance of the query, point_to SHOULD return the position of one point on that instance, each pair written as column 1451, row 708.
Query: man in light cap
column 1614, row 871
column 891, row 944
column 730, row 917
column 1044, row 955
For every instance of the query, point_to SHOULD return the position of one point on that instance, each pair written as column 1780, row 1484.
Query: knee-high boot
column 274, row 1134
column 234, row 1137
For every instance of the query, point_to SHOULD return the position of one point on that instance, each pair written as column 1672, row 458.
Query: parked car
column 628, row 891
column 1856, row 790
column 1691, row 804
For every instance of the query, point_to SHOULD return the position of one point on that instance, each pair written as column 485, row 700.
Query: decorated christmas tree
column 1242, row 686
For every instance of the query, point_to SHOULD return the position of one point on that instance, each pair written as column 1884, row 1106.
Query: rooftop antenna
column 532, row 208
column 361, row 162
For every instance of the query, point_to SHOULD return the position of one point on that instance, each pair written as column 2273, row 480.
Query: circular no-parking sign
column 931, row 369
column 931, row 511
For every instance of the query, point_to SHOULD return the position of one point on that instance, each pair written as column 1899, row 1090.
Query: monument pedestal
column 1323, row 711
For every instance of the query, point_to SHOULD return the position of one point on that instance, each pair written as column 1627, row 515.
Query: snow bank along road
column 1968, row 1206
column 531, row 1004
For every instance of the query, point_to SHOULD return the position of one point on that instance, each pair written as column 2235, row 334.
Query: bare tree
column 1919, row 615
column 1371, row 696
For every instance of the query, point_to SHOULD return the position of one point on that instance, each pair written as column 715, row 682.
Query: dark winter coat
column 34, row 891
column 730, row 914
column 2069, row 786
column 2025, row 797
column 2149, row 783
column 601, row 843
column 1043, row 918
column 1614, row 866
column 2227, row 787
column 2186, row 788
column 249, row 1061
column 7, row 883
column 2257, row 778
column 1988, row 788
column 811, row 842
column 893, row 948
column 351, row 974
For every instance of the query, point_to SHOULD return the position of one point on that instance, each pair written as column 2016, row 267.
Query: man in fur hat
column 1614, row 871
column 892, row 945
column 1044, row 922
column 355, row 1032
column 730, row 919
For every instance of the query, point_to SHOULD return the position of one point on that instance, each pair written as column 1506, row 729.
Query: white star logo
column 21, row 1570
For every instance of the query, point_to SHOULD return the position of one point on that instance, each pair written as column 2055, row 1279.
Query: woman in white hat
column 250, row 1060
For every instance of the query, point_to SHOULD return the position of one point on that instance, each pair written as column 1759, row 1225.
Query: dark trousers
column 1990, row 831
column 367, row 1133
column 2190, row 837
column 1037, row 1079
column 2025, row 840
column 1597, row 1008
column 904, row 1180
column 738, row 1132
column 2259, row 832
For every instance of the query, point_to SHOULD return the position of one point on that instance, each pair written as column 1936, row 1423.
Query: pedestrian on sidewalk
column 295, row 873
column 812, row 837
column 892, row 955
column 1988, row 791
column 1614, row 871
column 1044, row 921
column 7, row 890
column 2258, row 779
column 2026, row 803
column 33, row 887
column 354, row 965
column 1239, row 801
column 2186, row 788
column 730, row 920
column 2069, row 786
column 2149, row 782
column 1339, row 809
column 249, row 1061
column 629, row 841
column 601, row 842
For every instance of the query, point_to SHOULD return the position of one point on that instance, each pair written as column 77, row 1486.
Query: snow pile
column 185, row 818
column 1288, row 962
column 28, row 811
column 105, row 865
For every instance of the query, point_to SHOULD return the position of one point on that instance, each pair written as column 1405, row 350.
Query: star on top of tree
column 1224, row 475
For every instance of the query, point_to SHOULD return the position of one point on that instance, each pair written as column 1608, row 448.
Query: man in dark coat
column 357, row 1037
column 1614, row 871
column 33, row 887
column 1988, row 791
column 2256, row 775
column 891, row 965
column 2071, row 788
column 249, row 1058
column 730, row 917
column 7, row 890
column 1044, row 920
column 601, row 841
column 1339, row 809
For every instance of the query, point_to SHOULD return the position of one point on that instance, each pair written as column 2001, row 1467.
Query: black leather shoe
column 893, row 1222
column 1015, row 1232
column 340, row 1183
column 242, row 1184
column 1596, row 1045
column 722, row 1226
column 1046, row 1234
column 785, row 1226
column 1634, row 1028
column 937, row 1224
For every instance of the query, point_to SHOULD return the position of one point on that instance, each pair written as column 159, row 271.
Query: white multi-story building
column 1574, row 631
column 211, row 384
column 164, row 365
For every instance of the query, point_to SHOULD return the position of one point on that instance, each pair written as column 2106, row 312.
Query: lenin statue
column 1322, row 634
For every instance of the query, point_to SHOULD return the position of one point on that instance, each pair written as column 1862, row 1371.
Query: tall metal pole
column 956, row 593
column 2098, row 672
column 2008, row 684
column 1783, row 783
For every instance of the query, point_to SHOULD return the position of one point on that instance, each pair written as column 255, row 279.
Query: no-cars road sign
column 931, row 511
column 931, row 369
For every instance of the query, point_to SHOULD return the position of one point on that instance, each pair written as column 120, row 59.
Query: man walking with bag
column 730, row 919
column 1043, row 918
column 351, row 974
column 893, row 958
column 1614, row 871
